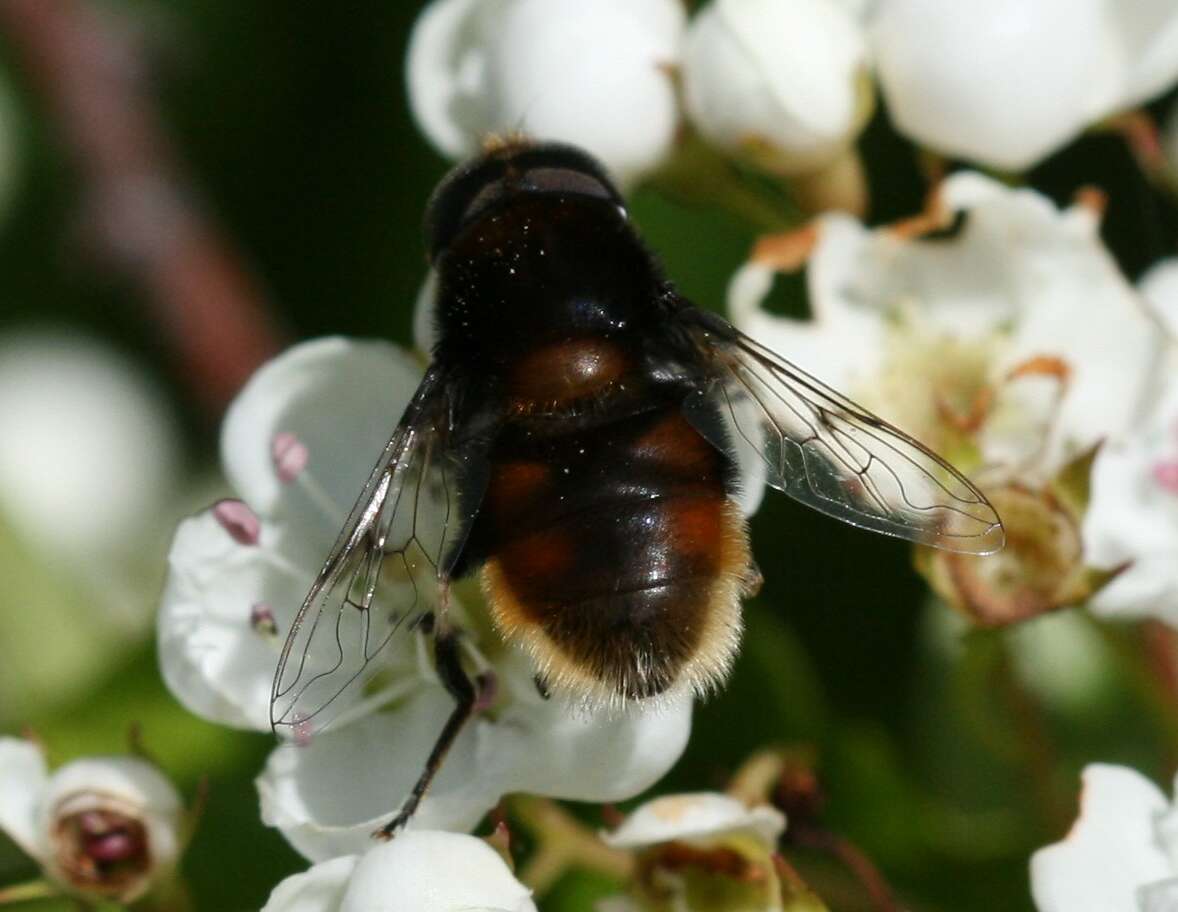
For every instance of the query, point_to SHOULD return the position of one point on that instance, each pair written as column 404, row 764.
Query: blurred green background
column 293, row 123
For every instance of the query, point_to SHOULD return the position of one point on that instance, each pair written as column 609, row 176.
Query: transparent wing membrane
column 832, row 455
column 385, row 573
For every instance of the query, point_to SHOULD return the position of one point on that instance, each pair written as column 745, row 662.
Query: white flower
column 1007, row 82
column 297, row 446
column 103, row 826
column 782, row 82
column 1159, row 287
column 422, row 871
column 1133, row 516
column 728, row 862
column 1011, row 347
column 88, row 452
column 1017, row 336
column 1120, row 856
column 598, row 75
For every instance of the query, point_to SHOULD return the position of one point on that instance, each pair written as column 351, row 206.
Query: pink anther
column 238, row 520
column 289, row 455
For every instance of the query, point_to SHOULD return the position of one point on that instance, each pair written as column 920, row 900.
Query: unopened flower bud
column 781, row 83
column 1040, row 569
column 1008, row 82
column 598, row 75
column 422, row 870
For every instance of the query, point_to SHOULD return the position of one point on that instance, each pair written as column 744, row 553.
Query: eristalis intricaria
column 574, row 441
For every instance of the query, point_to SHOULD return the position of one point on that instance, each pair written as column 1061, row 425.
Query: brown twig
column 1034, row 739
column 1161, row 647
column 146, row 218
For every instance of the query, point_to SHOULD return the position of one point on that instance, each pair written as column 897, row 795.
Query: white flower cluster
column 785, row 84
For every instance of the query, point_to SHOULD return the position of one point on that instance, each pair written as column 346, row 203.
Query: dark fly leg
column 465, row 694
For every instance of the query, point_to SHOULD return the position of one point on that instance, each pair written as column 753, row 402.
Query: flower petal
column 1110, row 852
column 782, row 78
column 1148, row 30
column 594, row 76
column 1159, row 897
column 555, row 748
column 1003, row 83
column 318, row 889
column 23, row 777
column 1159, row 285
column 695, row 816
column 1133, row 517
column 328, row 796
column 435, row 872
column 443, row 63
column 213, row 659
column 843, row 341
column 339, row 398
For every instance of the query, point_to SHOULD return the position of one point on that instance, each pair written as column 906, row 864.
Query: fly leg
column 465, row 694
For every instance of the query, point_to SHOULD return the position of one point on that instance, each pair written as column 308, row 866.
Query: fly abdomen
column 619, row 556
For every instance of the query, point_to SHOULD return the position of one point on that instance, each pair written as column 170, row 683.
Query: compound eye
column 566, row 180
column 487, row 197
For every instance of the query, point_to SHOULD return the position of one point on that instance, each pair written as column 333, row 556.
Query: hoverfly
column 573, row 441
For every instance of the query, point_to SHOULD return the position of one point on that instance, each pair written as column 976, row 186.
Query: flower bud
column 781, row 83
column 1040, row 569
column 426, row 871
column 597, row 75
column 703, row 851
column 1007, row 82
column 87, row 450
column 104, row 827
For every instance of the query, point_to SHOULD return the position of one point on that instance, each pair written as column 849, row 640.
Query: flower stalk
column 564, row 843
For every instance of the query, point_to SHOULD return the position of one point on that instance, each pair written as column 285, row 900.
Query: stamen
column 401, row 688
column 302, row 731
column 262, row 619
column 1166, row 475
column 328, row 507
column 289, row 455
column 238, row 520
column 280, row 563
column 488, row 689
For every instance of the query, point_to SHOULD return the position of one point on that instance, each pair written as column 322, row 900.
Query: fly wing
column 828, row 453
column 385, row 571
